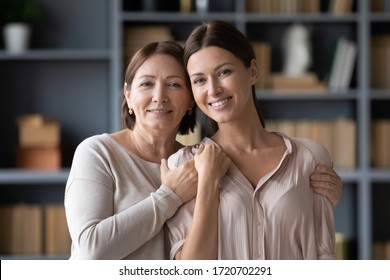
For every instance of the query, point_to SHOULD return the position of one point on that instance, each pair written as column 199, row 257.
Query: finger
column 200, row 149
column 331, row 195
column 323, row 169
column 325, row 178
column 164, row 166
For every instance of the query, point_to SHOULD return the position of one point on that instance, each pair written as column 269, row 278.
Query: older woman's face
column 159, row 95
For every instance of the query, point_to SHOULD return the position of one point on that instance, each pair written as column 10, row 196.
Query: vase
column 16, row 37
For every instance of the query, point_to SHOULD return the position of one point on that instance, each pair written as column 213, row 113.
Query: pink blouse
column 281, row 219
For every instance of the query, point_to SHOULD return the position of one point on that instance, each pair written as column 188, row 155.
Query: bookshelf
column 75, row 64
column 66, row 75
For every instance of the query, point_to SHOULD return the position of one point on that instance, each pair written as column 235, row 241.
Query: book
column 380, row 62
column 304, row 83
column 263, row 57
column 21, row 232
column 344, row 143
column 348, row 66
column 337, row 65
column 380, row 131
column 340, row 7
column 323, row 134
column 57, row 237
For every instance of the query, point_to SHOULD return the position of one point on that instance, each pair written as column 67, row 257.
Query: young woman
column 263, row 208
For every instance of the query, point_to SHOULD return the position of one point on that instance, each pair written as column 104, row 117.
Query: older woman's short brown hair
column 172, row 49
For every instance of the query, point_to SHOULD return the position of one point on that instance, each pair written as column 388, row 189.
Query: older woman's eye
column 174, row 85
column 146, row 84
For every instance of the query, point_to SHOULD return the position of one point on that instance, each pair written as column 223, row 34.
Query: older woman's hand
column 327, row 182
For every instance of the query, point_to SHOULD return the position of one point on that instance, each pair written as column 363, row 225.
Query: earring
column 189, row 112
column 130, row 111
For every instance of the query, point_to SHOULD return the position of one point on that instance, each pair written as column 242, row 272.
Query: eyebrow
column 168, row 77
column 215, row 68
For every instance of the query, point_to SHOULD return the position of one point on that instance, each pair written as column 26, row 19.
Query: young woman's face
column 221, row 84
column 158, row 94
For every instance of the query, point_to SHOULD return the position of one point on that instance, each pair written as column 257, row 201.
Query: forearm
column 202, row 239
column 99, row 233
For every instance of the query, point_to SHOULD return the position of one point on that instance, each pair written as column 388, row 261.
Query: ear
column 191, row 104
column 127, row 93
column 254, row 71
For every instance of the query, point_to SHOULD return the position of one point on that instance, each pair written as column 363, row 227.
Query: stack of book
column 380, row 133
column 33, row 229
column 263, row 57
column 343, row 62
column 338, row 136
column 381, row 250
column 340, row 7
column 380, row 62
column 380, row 5
column 138, row 36
column 283, row 6
column 308, row 82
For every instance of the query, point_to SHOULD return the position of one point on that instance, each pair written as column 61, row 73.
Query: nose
column 214, row 87
column 159, row 94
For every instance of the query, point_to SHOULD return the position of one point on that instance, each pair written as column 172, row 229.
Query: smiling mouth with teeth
column 220, row 103
column 159, row 111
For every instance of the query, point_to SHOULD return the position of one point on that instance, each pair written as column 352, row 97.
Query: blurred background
column 61, row 77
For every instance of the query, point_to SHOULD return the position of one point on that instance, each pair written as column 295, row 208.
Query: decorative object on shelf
column 185, row 6
column 202, row 6
column 18, row 16
column 39, row 143
column 297, row 50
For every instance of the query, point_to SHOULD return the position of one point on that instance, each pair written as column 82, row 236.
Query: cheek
column 198, row 94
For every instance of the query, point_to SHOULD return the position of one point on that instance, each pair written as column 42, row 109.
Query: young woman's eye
column 224, row 72
column 198, row 81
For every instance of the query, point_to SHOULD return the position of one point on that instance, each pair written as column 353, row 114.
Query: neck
column 152, row 146
column 246, row 134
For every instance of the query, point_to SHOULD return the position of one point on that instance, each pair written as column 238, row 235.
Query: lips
column 159, row 111
column 220, row 102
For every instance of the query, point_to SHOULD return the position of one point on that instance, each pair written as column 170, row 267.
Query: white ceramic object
column 16, row 37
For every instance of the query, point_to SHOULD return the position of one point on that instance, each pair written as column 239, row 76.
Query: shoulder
column 184, row 154
column 95, row 143
column 314, row 149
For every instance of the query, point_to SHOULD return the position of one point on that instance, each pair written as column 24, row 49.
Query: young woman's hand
column 211, row 162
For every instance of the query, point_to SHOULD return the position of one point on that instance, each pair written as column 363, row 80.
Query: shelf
column 301, row 95
column 19, row 176
column 380, row 94
column 34, row 257
column 47, row 54
column 174, row 17
column 302, row 18
column 380, row 175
